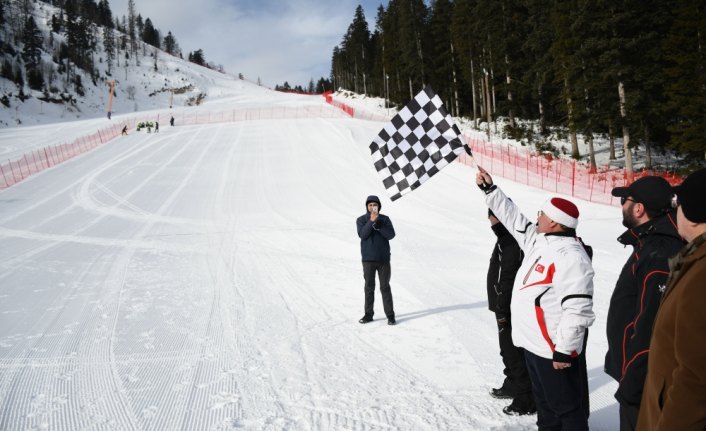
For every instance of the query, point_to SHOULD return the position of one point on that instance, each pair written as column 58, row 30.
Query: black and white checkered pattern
column 416, row 144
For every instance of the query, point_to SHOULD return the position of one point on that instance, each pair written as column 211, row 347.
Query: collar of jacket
column 660, row 225
column 693, row 251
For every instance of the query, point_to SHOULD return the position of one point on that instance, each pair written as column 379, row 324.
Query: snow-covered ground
column 209, row 277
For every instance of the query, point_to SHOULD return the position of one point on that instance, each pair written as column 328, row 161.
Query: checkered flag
column 416, row 144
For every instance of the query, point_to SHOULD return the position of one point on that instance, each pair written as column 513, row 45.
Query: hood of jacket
column 373, row 198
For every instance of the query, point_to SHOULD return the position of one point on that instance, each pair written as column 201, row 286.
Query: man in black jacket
column 504, row 263
column 375, row 231
column 652, row 232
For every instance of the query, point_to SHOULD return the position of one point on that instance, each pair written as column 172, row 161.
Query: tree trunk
column 453, row 71
column 508, row 80
column 626, row 133
column 572, row 125
column 648, row 145
column 473, row 90
column 488, row 108
column 542, row 117
column 591, row 152
column 611, row 141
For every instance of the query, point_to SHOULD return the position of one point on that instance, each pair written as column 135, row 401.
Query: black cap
column 691, row 194
column 653, row 192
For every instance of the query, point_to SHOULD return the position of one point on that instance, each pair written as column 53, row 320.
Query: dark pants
column 384, row 273
column 516, row 377
column 628, row 417
column 561, row 396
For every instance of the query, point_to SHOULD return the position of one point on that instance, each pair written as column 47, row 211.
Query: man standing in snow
column 674, row 396
column 375, row 231
column 504, row 263
column 652, row 232
column 552, row 305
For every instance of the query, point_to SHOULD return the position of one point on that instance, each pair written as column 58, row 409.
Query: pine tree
column 686, row 78
column 412, row 16
column 169, row 44
column 131, row 20
column 32, row 40
column 150, row 35
column 354, row 50
column 197, row 57
column 32, row 54
column 466, row 47
column 439, row 57
column 109, row 46
column 105, row 15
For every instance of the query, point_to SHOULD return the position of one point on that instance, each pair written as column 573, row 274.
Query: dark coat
column 504, row 263
column 635, row 301
column 675, row 387
column 375, row 237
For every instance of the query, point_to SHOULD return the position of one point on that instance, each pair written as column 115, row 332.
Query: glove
column 562, row 357
column 502, row 319
column 487, row 188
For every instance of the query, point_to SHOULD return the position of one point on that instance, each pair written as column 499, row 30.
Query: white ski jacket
column 552, row 298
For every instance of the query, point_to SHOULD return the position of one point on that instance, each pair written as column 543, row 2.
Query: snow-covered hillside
column 175, row 82
column 208, row 277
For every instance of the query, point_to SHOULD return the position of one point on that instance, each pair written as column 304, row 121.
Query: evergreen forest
column 633, row 70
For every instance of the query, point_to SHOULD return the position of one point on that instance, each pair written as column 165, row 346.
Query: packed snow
column 209, row 277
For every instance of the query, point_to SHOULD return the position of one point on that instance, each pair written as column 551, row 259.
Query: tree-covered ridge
column 80, row 34
column 629, row 69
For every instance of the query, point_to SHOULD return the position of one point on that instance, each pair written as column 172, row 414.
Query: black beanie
column 691, row 193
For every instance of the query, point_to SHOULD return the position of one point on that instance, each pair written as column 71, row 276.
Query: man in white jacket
column 552, row 305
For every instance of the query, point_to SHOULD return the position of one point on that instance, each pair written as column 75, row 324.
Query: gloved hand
column 502, row 320
column 484, row 181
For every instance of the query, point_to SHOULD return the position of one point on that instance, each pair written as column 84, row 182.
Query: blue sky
column 275, row 41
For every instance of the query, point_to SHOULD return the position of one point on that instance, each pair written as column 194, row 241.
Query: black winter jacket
column 375, row 237
column 504, row 263
column 635, row 301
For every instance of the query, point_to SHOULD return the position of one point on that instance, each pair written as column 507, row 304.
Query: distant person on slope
column 504, row 263
column 124, row 130
column 375, row 231
column 652, row 234
column 552, row 305
column 156, row 127
column 171, row 121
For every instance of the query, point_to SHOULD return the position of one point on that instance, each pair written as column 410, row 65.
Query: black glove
column 562, row 357
column 502, row 319
column 487, row 188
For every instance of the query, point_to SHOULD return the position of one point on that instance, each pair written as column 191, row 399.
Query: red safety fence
column 14, row 171
column 542, row 171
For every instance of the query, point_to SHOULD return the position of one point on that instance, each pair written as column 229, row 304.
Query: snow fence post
column 573, row 178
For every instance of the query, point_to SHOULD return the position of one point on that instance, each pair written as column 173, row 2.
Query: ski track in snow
column 208, row 277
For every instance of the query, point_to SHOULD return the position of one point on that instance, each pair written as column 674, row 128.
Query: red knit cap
column 562, row 211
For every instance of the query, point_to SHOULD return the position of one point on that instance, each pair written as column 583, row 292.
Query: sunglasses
column 624, row 199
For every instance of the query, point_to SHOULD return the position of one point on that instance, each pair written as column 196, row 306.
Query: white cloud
column 274, row 40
